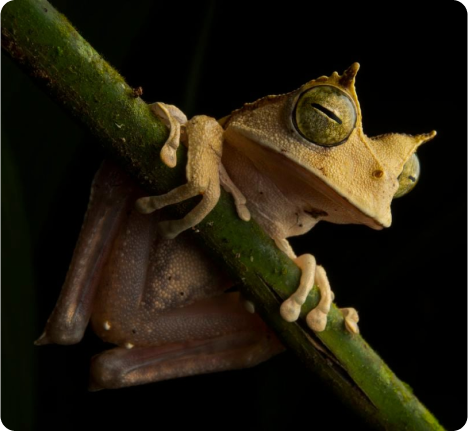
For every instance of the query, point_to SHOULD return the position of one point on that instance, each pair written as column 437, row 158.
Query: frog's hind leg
column 162, row 302
column 229, row 338
column 112, row 193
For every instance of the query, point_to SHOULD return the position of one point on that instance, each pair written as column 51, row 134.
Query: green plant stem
column 50, row 50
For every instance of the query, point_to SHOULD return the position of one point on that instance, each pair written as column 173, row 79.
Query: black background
column 408, row 282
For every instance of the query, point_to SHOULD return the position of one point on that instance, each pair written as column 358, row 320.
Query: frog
column 289, row 161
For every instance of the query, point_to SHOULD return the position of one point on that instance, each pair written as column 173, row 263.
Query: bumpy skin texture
column 145, row 277
column 162, row 301
column 204, row 138
column 356, row 180
column 291, row 183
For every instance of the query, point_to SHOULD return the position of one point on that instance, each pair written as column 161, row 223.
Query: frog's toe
column 173, row 117
column 169, row 156
column 43, row 340
column 290, row 309
column 317, row 320
column 149, row 204
column 239, row 199
column 145, row 205
column 351, row 319
column 243, row 212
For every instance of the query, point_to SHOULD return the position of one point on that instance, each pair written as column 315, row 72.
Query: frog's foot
column 351, row 319
column 204, row 140
column 173, row 117
column 311, row 274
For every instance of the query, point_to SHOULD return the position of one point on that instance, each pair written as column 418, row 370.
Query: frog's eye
column 325, row 115
column 408, row 177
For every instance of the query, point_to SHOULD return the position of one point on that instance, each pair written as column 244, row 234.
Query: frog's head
column 319, row 127
column 368, row 172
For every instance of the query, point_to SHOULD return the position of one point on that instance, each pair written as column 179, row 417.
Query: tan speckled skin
column 357, row 179
column 161, row 301
column 204, row 139
column 147, row 281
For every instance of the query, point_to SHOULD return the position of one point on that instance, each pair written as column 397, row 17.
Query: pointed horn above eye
column 424, row 137
column 394, row 149
column 349, row 75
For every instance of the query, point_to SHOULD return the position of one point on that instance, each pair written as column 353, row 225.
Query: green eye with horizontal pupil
column 325, row 115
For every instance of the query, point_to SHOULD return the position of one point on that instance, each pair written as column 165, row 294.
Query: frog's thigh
column 111, row 194
column 204, row 140
column 242, row 340
column 146, row 280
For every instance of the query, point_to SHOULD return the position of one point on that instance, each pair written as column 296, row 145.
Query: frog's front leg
column 312, row 274
column 204, row 138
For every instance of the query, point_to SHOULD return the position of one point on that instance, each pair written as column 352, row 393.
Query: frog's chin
column 381, row 222
column 357, row 200
column 306, row 187
column 367, row 218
